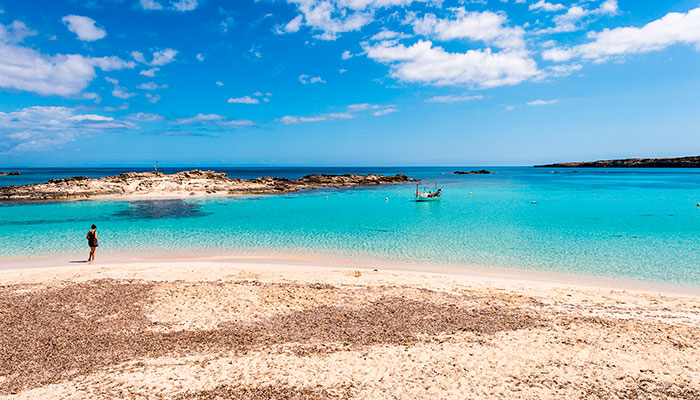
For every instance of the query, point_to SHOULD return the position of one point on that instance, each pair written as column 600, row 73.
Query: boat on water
column 424, row 192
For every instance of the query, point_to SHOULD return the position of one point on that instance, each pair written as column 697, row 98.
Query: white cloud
column 150, row 5
column 26, row 69
column 162, row 57
column 199, row 118
column 576, row 17
column 41, row 128
column 484, row 26
column 153, row 98
column 200, row 57
column 237, row 123
column 424, row 63
column 351, row 112
column 673, row 28
column 138, row 56
column 149, row 72
column 151, row 86
column 293, row 120
column 346, row 55
column 119, row 91
column 543, row 5
column 16, row 32
column 385, row 111
column 294, row 25
column 219, row 83
column 540, row 102
column 244, row 100
column 185, row 5
column 386, row 34
column 330, row 17
column 146, row 117
column 307, row 80
column 84, row 27
column 454, row 98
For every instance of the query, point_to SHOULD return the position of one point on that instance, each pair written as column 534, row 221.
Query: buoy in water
column 470, row 193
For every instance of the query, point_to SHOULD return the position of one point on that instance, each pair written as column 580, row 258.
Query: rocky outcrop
column 679, row 162
column 10, row 173
column 186, row 183
column 479, row 172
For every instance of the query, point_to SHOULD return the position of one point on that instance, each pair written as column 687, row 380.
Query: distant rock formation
column 186, row 183
column 679, row 162
column 10, row 173
column 479, row 172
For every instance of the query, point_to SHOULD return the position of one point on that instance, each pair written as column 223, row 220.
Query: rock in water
column 185, row 183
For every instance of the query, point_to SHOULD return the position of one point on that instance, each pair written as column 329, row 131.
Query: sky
column 346, row 82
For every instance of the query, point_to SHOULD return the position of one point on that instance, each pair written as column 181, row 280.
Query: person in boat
column 92, row 242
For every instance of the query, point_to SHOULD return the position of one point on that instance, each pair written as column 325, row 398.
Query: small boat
column 428, row 194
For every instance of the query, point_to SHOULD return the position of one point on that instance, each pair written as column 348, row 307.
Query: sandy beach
column 268, row 328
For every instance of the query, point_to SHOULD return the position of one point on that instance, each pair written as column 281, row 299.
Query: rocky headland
column 678, row 162
column 181, row 184
column 11, row 173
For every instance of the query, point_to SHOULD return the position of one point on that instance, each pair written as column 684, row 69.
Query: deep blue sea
column 635, row 224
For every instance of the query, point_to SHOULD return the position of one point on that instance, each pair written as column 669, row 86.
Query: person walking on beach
column 92, row 242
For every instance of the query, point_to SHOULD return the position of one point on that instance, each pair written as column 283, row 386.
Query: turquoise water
column 625, row 223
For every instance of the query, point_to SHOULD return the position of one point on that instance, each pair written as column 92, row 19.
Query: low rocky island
column 11, row 173
column 678, row 162
column 181, row 184
column 479, row 172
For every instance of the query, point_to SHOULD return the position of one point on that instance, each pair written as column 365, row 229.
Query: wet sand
column 261, row 329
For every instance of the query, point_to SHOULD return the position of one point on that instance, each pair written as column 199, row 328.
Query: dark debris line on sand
column 48, row 334
column 277, row 392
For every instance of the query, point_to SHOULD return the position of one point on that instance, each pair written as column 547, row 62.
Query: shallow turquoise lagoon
column 625, row 223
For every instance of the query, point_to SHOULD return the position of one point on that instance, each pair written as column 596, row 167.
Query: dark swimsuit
column 92, row 241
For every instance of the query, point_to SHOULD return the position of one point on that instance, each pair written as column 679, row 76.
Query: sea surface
column 635, row 224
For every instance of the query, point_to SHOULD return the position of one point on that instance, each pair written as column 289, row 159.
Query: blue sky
column 346, row 82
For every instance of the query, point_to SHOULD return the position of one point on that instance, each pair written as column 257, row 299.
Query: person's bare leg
column 91, row 258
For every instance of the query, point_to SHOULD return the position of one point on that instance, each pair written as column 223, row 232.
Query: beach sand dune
column 213, row 330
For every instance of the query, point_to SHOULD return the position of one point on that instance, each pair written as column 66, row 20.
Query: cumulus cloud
column 149, row 72
column 199, row 57
column 162, row 57
column 307, row 80
column 146, row 117
column 540, row 102
column 673, row 28
column 200, row 118
column 119, row 91
column 151, row 86
column 576, row 17
column 184, row 5
column 244, row 100
column 329, row 17
column 84, row 27
column 26, row 69
column 150, row 5
column 351, row 112
column 454, row 98
column 41, row 128
column 15, row 32
column 543, row 5
column 152, row 98
column 386, row 34
column 237, row 123
column 424, row 63
column 487, row 26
